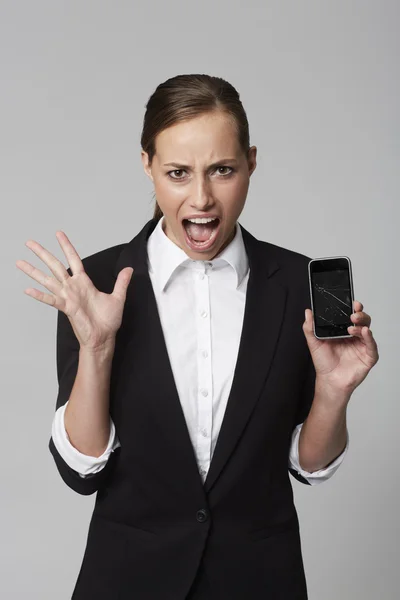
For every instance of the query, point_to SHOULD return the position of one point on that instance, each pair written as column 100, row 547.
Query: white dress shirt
column 201, row 307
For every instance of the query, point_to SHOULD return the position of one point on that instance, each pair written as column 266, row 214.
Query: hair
column 185, row 97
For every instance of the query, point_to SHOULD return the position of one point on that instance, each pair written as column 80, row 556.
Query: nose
column 201, row 197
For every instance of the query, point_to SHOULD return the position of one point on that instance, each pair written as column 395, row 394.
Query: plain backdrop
column 320, row 83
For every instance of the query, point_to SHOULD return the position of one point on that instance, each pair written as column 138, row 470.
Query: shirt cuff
column 82, row 463
column 317, row 476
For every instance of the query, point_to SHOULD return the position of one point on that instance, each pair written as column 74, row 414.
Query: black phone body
column 332, row 296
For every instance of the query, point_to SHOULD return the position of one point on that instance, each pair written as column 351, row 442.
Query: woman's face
column 193, row 185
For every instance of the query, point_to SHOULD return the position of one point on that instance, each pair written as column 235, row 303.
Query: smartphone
column 332, row 296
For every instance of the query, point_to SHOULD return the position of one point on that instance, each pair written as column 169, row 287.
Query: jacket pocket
column 261, row 533
column 103, row 561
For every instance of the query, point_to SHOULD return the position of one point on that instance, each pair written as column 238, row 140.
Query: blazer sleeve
column 304, row 406
column 67, row 357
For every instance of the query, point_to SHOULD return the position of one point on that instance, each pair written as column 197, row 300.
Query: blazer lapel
column 263, row 316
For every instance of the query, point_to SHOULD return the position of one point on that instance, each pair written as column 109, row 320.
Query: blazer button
column 202, row 515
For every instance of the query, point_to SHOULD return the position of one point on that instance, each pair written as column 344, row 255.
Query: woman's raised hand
column 95, row 316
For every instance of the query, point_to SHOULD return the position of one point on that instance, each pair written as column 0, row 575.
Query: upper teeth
column 202, row 220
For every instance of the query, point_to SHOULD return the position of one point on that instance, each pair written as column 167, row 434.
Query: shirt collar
column 165, row 256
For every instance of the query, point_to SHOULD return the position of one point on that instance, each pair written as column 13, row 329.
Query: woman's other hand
column 95, row 316
column 342, row 364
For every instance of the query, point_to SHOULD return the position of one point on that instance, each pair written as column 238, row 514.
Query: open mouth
column 201, row 236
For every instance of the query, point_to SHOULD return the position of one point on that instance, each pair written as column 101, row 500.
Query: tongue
column 200, row 232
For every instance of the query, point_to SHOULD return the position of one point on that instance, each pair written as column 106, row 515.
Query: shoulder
column 103, row 259
column 293, row 265
column 100, row 267
column 286, row 257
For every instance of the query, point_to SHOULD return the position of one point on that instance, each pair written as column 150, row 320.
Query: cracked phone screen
column 332, row 298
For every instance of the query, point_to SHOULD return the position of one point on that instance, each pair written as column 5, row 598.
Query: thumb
column 308, row 330
column 307, row 325
column 123, row 280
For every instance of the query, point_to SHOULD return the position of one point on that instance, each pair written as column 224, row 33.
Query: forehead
column 208, row 134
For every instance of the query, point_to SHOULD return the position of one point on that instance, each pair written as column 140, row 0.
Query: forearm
column 324, row 433
column 87, row 417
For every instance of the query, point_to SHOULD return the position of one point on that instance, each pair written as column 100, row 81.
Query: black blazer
column 154, row 520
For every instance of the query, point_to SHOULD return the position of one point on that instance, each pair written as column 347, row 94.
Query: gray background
column 319, row 82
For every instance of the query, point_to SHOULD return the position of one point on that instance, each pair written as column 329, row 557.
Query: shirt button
column 204, row 313
column 204, row 392
column 205, row 353
column 204, row 432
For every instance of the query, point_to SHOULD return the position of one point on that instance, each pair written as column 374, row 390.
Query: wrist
column 329, row 395
column 102, row 351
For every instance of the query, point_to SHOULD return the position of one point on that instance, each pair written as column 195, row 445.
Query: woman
column 186, row 371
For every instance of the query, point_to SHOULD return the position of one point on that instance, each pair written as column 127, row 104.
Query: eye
column 175, row 171
column 230, row 172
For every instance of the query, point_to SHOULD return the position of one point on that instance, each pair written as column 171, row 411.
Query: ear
column 252, row 160
column 146, row 166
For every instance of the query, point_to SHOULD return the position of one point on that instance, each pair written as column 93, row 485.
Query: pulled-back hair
column 184, row 97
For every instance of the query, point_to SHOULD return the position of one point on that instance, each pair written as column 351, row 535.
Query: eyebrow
column 216, row 164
